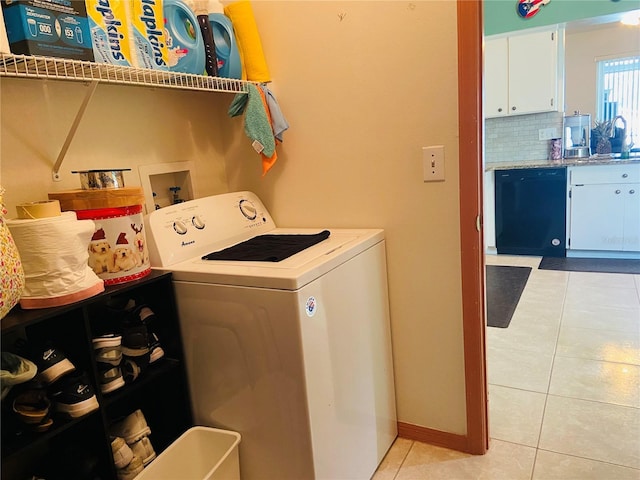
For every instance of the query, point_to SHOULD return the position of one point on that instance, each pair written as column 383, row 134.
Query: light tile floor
column 564, row 387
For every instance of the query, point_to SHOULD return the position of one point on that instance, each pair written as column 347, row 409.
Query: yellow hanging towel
column 254, row 65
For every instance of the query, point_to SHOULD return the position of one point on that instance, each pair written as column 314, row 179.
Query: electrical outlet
column 547, row 133
column 433, row 163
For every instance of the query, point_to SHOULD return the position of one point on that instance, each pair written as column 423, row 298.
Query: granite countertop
column 565, row 162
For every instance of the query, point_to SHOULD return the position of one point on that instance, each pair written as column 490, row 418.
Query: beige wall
column 582, row 49
column 365, row 85
column 123, row 127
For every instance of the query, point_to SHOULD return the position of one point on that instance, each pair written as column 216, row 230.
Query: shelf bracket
column 72, row 131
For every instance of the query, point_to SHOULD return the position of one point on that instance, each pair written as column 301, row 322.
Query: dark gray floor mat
column 504, row 288
column 600, row 265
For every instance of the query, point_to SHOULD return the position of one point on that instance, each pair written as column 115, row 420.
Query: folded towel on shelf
column 256, row 122
column 278, row 122
column 249, row 44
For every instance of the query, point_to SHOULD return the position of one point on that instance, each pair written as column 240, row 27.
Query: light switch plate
column 433, row 163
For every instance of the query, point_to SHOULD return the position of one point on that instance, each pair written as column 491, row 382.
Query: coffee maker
column 577, row 136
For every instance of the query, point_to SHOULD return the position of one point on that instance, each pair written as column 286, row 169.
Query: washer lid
column 289, row 274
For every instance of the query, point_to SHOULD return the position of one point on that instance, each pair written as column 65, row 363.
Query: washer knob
column 197, row 222
column 179, row 227
column 248, row 209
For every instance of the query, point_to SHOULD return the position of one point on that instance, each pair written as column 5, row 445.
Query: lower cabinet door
column 597, row 217
column 631, row 217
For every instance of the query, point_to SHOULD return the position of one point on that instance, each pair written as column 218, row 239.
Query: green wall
column 502, row 16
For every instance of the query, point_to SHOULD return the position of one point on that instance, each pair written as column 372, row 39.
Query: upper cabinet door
column 533, row 72
column 522, row 74
column 496, row 74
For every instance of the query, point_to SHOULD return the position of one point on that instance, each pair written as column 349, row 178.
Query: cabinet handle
column 625, row 175
column 632, row 192
column 500, row 109
column 513, row 108
column 617, row 192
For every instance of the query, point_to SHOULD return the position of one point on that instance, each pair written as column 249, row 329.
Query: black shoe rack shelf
column 81, row 447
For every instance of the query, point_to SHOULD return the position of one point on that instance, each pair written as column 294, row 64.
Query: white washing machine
column 294, row 354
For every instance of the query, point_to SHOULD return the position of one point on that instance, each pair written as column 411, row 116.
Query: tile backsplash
column 509, row 139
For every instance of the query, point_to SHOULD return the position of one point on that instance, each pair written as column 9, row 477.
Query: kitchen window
column 618, row 92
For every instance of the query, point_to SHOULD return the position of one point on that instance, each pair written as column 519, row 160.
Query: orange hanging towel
column 267, row 162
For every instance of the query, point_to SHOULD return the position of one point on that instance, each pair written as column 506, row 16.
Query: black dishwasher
column 531, row 206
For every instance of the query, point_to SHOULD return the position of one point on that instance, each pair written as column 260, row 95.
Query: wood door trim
column 470, row 125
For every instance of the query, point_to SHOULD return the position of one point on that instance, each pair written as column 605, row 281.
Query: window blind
column 618, row 86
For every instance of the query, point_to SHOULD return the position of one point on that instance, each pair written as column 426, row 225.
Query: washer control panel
column 181, row 227
column 194, row 228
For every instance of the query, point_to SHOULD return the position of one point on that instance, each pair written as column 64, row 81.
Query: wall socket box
column 548, row 133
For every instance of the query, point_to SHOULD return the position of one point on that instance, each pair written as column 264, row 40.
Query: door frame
column 470, row 129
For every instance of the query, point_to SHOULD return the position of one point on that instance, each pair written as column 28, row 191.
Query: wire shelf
column 26, row 66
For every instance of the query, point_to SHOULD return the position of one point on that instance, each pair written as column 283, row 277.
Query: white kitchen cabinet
column 604, row 208
column 524, row 73
column 496, row 75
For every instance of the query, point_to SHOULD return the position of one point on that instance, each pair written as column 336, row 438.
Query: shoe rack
column 160, row 391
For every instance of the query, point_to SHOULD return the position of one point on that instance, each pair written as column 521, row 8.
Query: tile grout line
column 404, row 459
column 546, row 396
column 535, row 455
column 590, row 400
column 553, row 361
column 555, row 347
column 636, row 281
column 590, row 459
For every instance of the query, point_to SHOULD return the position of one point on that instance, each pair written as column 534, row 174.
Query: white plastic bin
column 200, row 453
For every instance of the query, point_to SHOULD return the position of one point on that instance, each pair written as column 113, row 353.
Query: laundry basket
column 200, row 453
